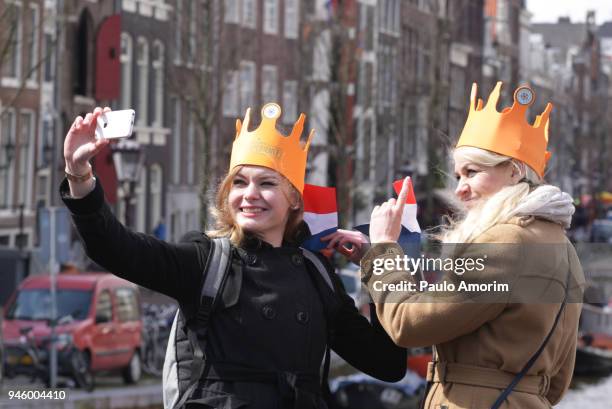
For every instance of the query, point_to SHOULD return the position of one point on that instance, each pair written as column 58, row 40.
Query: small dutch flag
column 320, row 214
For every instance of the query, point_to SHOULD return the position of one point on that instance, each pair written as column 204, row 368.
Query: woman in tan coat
column 483, row 341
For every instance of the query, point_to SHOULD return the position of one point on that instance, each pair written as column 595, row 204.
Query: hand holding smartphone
column 115, row 124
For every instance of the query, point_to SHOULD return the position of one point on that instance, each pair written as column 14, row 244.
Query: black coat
column 276, row 315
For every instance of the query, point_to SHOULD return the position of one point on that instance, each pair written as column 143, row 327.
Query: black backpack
column 176, row 393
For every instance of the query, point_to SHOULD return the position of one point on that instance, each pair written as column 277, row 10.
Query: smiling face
column 260, row 200
column 477, row 182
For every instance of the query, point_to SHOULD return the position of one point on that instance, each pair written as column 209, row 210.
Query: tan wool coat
column 480, row 344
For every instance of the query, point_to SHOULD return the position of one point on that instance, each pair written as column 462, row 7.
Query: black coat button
column 297, row 259
column 302, row 317
column 251, row 259
column 268, row 312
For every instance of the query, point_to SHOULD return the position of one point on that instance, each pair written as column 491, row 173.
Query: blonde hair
column 225, row 224
column 499, row 208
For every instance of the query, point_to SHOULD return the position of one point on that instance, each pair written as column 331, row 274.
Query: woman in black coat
column 267, row 339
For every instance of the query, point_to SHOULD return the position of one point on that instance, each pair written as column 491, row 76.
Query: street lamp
column 128, row 159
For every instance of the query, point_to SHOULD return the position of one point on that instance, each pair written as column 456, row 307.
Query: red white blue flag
column 320, row 214
column 410, row 236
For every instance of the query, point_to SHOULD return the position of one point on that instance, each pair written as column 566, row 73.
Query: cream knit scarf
column 547, row 202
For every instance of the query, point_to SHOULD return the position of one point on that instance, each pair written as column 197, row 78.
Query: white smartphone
column 115, row 124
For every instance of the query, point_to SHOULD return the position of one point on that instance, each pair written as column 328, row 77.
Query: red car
column 97, row 313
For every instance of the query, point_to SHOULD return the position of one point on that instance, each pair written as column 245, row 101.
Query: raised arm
column 80, row 146
column 174, row 270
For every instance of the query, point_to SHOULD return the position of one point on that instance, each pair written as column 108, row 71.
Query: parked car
column 351, row 279
column 601, row 231
column 97, row 313
column 359, row 391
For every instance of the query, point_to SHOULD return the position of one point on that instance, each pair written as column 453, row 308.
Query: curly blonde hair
column 225, row 223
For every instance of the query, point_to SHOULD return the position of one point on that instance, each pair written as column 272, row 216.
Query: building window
column 190, row 146
column 247, row 85
column 389, row 16
column 178, row 38
column 141, row 201
column 176, row 137
column 457, row 87
column 230, row 94
column 397, row 9
column 142, row 60
column 49, row 66
column 409, row 129
column 394, row 75
column 82, row 83
column 42, row 191
column 292, row 18
column 32, row 43
column 290, row 101
column 155, row 190
column 12, row 64
column 366, row 149
column 45, row 139
column 364, row 92
column 320, row 60
column 410, row 54
column 158, row 68
column 270, row 16
column 386, row 73
column 7, row 137
column 203, row 36
column 193, row 21
column 126, row 71
column 369, row 28
column 269, row 84
column 26, row 142
column 249, row 13
column 232, row 14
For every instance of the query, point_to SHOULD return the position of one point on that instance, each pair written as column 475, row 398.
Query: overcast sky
column 549, row 11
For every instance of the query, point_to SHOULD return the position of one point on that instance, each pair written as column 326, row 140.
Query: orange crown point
column 508, row 132
column 266, row 146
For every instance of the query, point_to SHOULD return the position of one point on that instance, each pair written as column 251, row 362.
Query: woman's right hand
column 386, row 219
column 81, row 145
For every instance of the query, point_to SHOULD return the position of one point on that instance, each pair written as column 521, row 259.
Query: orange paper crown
column 265, row 146
column 508, row 132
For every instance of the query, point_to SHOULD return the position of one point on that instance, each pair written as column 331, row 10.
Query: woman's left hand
column 339, row 239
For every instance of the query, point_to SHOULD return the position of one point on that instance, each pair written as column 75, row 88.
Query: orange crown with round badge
column 265, row 146
column 508, row 132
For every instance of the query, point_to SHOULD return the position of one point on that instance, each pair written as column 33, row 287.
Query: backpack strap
column 316, row 261
column 319, row 265
column 215, row 272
